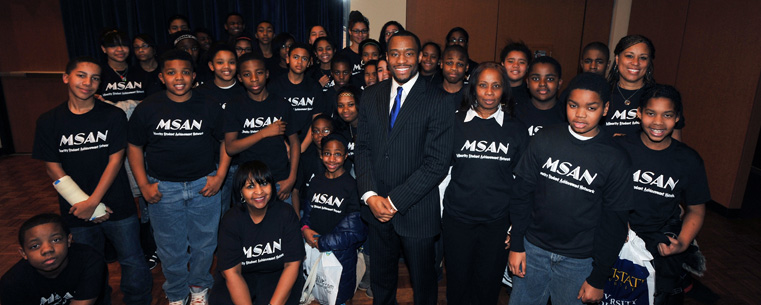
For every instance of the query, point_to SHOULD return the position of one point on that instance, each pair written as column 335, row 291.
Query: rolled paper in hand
column 70, row 191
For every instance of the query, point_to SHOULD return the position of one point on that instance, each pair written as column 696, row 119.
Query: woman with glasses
column 359, row 30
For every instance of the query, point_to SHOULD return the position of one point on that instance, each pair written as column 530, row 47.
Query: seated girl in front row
column 260, row 250
column 331, row 219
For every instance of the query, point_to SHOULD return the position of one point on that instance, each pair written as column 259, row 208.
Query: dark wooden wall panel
column 33, row 38
column 553, row 24
column 663, row 22
column 718, row 75
column 432, row 19
column 597, row 21
column 34, row 41
column 27, row 98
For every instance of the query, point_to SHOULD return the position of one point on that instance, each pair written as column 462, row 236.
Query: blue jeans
column 225, row 194
column 136, row 282
column 550, row 275
column 184, row 218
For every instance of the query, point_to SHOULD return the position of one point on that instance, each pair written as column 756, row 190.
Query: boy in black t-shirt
column 172, row 138
column 303, row 93
column 53, row 270
column 82, row 143
column 544, row 80
column 581, row 186
column 224, row 88
column 454, row 65
column 258, row 124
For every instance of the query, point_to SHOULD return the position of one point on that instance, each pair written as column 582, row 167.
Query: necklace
column 627, row 100
column 123, row 76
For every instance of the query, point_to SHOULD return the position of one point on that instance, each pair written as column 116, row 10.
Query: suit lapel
column 414, row 99
column 384, row 108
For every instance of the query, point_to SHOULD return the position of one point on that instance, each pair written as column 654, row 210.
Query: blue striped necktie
column 395, row 109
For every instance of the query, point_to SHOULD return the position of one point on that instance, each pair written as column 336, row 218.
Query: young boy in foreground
column 565, row 242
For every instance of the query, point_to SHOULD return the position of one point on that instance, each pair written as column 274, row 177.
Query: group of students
column 239, row 150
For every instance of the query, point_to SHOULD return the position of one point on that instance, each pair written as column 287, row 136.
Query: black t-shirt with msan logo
column 573, row 182
column 315, row 73
column 535, row 119
column 485, row 154
column 85, row 277
column 114, row 88
column 331, row 200
column 247, row 117
column 83, row 144
column 179, row 139
column 622, row 116
column 259, row 248
column 306, row 99
column 357, row 78
column 662, row 180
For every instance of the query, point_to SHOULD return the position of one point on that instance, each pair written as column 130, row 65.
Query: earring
column 242, row 199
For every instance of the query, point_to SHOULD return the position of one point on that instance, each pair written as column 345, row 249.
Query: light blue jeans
column 184, row 218
column 136, row 282
column 549, row 275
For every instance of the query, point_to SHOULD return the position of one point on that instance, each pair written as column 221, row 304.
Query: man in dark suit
column 403, row 148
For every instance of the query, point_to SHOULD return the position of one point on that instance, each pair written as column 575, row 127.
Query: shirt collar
column 498, row 115
column 407, row 86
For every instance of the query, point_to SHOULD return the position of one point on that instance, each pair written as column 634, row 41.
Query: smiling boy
column 172, row 137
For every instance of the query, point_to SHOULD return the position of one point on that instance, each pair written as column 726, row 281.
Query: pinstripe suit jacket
column 407, row 164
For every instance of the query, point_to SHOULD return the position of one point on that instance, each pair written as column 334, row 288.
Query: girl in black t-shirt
column 516, row 57
column 323, row 50
column 145, row 53
column 119, row 81
column 331, row 219
column 429, row 65
column 348, row 110
column 310, row 164
column 667, row 173
column 488, row 143
column 259, row 247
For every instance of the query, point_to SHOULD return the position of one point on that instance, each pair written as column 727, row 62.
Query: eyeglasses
column 365, row 31
column 460, row 40
column 323, row 132
column 285, row 46
column 391, row 33
column 246, row 50
column 143, row 46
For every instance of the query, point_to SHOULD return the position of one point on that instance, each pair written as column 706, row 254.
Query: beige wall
column 379, row 12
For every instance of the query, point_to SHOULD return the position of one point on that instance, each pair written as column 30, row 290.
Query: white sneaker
column 198, row 296
column 179, row 302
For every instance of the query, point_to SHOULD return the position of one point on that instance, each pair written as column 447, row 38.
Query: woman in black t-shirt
column 259, row 247
column 488, row 143
column 630, row 76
